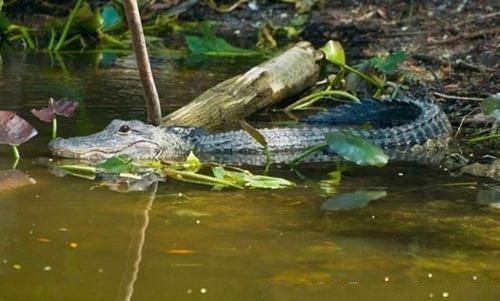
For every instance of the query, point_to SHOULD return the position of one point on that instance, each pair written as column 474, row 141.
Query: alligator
column 394, row 125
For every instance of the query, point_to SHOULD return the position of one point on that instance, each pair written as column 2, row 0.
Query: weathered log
column 268, row 83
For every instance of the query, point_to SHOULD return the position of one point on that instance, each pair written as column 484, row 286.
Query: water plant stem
column 366, row 77
column 312, row 98
column 485, row 137
column 141, row 55
column 67, row 26
column 308, row 152
column 16, row 152
column 54, row 128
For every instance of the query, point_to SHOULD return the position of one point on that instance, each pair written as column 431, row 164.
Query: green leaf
column 388, row 64
column 334, row 52
column 267, row 182
column 192, row 163
column 192, row 177
column 491, row 106
column 210, row 45
column 247, row 179
column 111, row 17
column 352, row 200
column 1, row 4
column 4, row 22
column 356, row 149
column 117, row 164
column 86, row 20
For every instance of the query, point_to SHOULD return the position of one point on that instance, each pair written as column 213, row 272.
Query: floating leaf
column 334, row 52
column 14, row 130
column 245, row 178
column 210, row 45
column 353, row 200
column 117, row 165
column 267, row 182
column 388, row 64
column 356, row 149
column 62, row 107
column 491, row 106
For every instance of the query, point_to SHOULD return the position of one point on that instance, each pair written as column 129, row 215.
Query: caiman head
column 133, row 138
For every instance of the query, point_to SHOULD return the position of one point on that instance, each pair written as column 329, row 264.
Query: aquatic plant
column 62, row 107
column 191, row 171
column 14, row 131
column 490, row 106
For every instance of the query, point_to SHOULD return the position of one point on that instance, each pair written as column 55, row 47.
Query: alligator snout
column 55, row 146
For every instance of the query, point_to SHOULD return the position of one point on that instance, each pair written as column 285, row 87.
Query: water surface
column 424, row 237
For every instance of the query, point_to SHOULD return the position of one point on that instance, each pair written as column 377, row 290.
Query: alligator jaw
column 70, row 148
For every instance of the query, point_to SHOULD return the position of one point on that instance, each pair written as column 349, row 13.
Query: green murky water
column 425, row 237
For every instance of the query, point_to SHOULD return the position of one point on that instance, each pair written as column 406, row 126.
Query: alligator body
column 396, row 126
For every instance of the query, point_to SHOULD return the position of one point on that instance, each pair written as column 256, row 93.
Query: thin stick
column 141, row 55
column 446, row 96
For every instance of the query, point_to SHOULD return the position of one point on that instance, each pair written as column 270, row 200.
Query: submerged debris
column 491, row 170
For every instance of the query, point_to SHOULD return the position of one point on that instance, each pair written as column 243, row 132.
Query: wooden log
column 279, row 78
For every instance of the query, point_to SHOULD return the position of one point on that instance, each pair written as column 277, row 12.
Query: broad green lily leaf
column 210, row 45
column 111, row 17
column 356, row 149
column 353, row 200
column 491, row 106
column 334, row 52
column 388, row 64
column 118, row 164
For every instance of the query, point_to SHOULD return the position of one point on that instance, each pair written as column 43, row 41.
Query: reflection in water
column 12, row 179
column 138, row 237
column 353, row 200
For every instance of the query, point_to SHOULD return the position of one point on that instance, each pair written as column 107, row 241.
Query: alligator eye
column 124, row 129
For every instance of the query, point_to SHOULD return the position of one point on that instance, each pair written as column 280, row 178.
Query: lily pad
column 14, row 130
column 356, row 149
column 353, row 200
column 63, row 107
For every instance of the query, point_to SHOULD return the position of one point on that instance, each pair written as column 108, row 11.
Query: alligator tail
column 397, row 123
